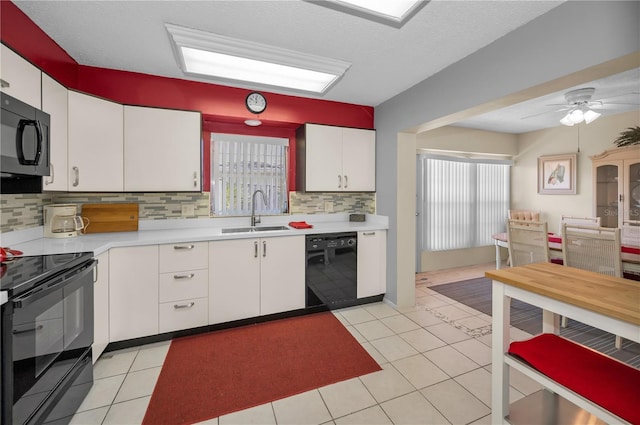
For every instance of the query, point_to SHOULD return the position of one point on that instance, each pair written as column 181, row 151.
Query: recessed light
column 395, row 13
column 231, row 60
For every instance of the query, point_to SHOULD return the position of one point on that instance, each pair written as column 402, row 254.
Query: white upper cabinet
column 161, row 149
column 335, row 159
column 95, row 144
column 359, row 160
column 323, row 158
column 55, row 103
column 20, row 78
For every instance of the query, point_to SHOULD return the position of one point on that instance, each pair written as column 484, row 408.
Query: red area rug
column 209, row 375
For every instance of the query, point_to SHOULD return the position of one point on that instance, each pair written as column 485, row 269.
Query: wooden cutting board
column 111, row 217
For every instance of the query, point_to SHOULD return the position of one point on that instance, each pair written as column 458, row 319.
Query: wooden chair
column 592, row 248
column 524, row 215
column 579, row 221
column 630, row 233
column 528, row 242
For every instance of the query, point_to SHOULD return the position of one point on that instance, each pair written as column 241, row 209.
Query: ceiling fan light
column 576, row 116
column 566, row 121
column 590, row 116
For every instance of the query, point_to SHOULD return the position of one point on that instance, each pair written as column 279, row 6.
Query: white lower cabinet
column 255, row 277
column 372, row 263
column 282, row 286
column 133, row 292
column 183, row 286
column 101, row 306
column 234, row 280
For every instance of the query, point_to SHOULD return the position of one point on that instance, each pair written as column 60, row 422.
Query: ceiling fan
column 580, row 106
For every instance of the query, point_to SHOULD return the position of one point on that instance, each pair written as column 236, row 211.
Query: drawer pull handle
column 177, row 247
column 179, row 306
column 368, row 233
column 183, row 276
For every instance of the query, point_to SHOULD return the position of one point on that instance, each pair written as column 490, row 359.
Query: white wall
column 523, row 59
column 466, row 140
column 591, row 139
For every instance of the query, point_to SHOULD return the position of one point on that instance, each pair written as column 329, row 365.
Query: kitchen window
column 240, row 165
column 461, row 201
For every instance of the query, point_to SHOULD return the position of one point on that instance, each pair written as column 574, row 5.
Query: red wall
column 222, row 107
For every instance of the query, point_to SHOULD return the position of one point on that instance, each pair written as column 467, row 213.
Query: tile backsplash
column 24, row 211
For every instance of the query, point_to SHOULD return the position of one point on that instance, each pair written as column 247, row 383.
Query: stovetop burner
column 19, row 274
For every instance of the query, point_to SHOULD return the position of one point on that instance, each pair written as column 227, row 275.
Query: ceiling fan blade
column 617, row 95
column 565, row 108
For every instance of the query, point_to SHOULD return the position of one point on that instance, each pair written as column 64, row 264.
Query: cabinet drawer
column 183, row 256
column 184, row 314
column 176, row 286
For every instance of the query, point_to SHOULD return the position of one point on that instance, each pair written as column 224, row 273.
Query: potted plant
column 629, row 137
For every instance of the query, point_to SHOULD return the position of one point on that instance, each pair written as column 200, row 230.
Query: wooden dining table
column 604, row 302
column 630, row 254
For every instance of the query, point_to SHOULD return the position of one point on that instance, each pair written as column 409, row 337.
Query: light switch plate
column 328, row 206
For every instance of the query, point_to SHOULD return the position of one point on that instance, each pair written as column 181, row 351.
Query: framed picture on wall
column 557, row 174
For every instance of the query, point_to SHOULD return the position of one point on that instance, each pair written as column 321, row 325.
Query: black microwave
column 24, row 153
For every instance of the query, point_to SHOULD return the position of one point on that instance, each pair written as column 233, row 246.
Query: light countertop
column 154, row 232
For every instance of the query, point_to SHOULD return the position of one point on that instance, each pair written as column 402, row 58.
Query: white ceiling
column 130, row 35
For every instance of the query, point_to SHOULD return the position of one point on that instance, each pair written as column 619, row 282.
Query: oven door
column 49, row 334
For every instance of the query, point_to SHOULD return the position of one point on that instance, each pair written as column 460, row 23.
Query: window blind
column 462, row 202
column 240, row 165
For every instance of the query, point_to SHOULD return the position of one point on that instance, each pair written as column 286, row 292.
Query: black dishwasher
column 331, row 270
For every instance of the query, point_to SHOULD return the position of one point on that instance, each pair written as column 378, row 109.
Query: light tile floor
column 436, row 370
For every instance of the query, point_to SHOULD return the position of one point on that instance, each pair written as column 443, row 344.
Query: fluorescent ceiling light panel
column 390, row 12
column 232, row 60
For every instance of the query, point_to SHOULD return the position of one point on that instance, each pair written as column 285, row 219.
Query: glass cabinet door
column 607, row 177
column 633, row 197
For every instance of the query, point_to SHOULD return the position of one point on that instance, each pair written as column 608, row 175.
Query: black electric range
column 22, row 273
column 47, row 333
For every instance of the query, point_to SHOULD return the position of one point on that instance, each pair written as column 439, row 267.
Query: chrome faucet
column 255, row 220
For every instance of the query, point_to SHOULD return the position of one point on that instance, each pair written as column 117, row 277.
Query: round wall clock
column 256, row 102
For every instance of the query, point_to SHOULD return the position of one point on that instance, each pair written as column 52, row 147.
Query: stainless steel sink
column 254, row 229
column 269, row 228
column 237, row 230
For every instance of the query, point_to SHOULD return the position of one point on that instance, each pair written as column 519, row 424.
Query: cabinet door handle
column 255, row 249
column 76, row 176
column 346, row 181
column 52, row 176
column 31, row 329
column 368, row 233
column 195, row 179
column 179, row 306
column 620, row 197
column 339, row 181
column 264, row 248
column 182, row 247
column 183, row 276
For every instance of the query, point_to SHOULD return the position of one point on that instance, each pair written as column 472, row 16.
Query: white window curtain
column 240, row 165
column 461, row 201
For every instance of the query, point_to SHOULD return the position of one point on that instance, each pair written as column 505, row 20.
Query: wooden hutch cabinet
column 616, row 185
